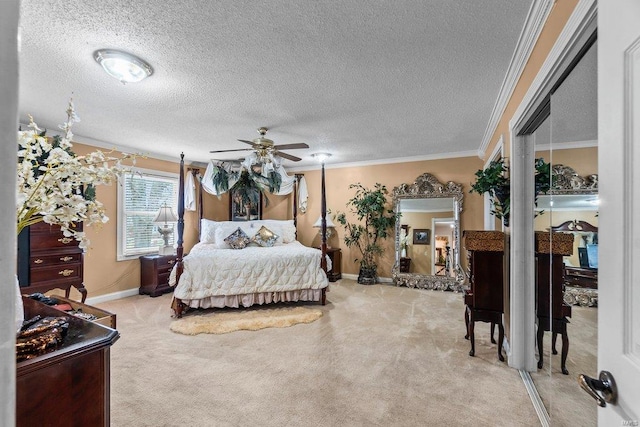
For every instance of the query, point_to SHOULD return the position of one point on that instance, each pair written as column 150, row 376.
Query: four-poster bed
column 277, row 269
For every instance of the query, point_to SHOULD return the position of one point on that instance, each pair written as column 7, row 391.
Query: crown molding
column 567, row 145
column 439, row 156
column 534, row 23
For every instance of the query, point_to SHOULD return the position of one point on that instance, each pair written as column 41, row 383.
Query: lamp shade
column 165, row 214
column 318, row 223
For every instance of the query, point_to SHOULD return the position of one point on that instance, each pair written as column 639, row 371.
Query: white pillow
column 284, row 228
column 208, row 231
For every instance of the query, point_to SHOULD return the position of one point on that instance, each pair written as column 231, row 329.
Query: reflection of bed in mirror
column 581, row 281
column 572, row 206
column 428, row 204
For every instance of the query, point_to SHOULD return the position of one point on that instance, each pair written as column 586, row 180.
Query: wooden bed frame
column 177, row 305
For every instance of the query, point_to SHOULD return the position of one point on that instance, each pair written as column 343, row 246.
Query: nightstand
column 335, row 255
column 405, row 265
column 154, row 274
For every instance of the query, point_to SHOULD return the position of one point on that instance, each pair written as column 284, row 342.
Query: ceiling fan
column 265, row 149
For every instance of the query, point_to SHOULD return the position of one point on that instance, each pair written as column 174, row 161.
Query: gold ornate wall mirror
column 428, row 234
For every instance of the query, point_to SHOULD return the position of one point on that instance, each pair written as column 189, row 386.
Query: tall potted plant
column 375, row 222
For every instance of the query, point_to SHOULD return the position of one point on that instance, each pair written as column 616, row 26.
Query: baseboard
column 112, row 296
column 355, row 277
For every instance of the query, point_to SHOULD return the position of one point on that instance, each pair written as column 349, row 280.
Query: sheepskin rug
column 222, row 322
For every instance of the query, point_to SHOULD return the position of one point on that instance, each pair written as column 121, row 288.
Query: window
column 140, row 196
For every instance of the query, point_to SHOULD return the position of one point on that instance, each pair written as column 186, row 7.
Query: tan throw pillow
column 238, row 239
column 265, row 237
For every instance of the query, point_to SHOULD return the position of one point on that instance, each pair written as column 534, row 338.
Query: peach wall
column 102, row 273
column 459, row 170
column 553, row 27
column 583, row 160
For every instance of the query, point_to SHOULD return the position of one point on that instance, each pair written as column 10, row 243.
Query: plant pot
column 367, row 276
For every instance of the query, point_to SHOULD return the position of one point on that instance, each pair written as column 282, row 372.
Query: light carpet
column 379, row 356
column 252, row 319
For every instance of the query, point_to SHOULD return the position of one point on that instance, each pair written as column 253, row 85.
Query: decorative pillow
column 238, row 239
column 265, row 237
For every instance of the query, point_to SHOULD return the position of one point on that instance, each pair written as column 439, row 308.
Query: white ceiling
column 365, row 80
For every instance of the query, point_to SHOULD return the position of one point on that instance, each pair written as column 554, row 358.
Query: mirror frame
column 426, row 186
column 566, row 181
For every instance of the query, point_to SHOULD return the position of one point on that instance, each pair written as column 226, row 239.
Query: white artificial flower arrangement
column 58, row 187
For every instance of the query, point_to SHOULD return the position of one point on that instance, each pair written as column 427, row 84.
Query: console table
column 68, row 386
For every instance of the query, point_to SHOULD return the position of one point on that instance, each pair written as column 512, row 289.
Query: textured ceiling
column 365, row 80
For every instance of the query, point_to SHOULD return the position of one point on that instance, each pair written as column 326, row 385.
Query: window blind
column 143, row 195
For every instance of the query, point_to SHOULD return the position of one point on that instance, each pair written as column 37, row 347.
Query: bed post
column 323, row 246
column 177, row 304
column 295, row 203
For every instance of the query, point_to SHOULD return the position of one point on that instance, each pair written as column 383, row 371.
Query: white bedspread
column 209, row 271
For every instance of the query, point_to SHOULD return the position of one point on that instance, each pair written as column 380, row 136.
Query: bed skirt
column 247, row 300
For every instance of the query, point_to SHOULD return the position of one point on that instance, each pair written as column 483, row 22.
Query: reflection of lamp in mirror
column 330, row 227
column 167, row 218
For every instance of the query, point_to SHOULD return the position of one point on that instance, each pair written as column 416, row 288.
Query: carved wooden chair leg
column 472, row 337
column 500, row 339
column 565, row 352
column 540, row 336
column 493, row 329
column 466, row 322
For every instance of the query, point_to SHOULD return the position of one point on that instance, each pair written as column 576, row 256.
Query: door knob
column 605, row 384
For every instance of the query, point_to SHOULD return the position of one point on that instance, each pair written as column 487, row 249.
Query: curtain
column 286, row 187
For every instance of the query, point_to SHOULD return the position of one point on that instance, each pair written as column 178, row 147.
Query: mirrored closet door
column 566, row 245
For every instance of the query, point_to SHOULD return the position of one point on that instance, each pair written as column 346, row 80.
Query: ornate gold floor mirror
column 428, row 234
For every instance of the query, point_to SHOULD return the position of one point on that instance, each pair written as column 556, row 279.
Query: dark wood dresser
column 69, row 386
column 581, row 277
column 49, row 260
column 154, row 274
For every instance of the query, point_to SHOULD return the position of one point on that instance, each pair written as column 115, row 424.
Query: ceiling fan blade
column 290, row 146
column 248, row 142
column 288, row 157
column 227, row 151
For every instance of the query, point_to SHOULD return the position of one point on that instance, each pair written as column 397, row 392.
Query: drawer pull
column 38, row 261
column 171, row 261
column 66, row 273
column 66, row 258
column 65, row 240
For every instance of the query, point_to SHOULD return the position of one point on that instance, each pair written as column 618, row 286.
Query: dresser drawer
column 56, row 273
column 163, row 278
column 60, row 260
column 165, row 264
column 41, row 241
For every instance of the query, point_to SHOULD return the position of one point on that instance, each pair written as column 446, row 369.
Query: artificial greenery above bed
column 249, row 183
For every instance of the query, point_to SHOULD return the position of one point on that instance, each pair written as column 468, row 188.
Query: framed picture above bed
column 243, row 211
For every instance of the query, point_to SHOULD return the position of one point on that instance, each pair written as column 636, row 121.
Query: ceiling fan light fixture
column 321, row 157
column 123, row 66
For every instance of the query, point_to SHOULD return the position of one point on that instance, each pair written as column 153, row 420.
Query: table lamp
column 330, row 227
column 167, row 218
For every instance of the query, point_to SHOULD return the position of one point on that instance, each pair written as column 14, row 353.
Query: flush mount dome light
column 123, row 66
